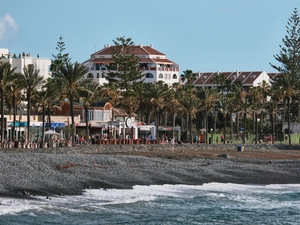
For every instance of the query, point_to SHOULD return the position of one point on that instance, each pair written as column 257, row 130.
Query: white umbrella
column 51, row 132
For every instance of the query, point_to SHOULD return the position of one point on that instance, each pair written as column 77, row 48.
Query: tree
column 289, row 60
column 124, row 72
column 223, row 108
column 61, row 59
column 208, row 97
column 87, row 96
column 32, row 81
column 191, row 105
column 70, row 77
column 6, row 78
column 188, row 77
column 13, row 95
column 157, row 93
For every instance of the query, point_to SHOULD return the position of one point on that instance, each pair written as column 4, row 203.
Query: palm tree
column 188, row 77
column 6, row 78
column 191, row 105
column 112, row 94
column 223, row 108
column 208, row 97
column 32, row 81
column 273, row 107
column 71, row 77
column 256, row 98
column 244, row 106
column 287, row 83
column 157, row 93
column 13, row 95
column 90, row 94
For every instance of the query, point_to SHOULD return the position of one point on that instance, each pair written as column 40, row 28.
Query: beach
column 71, row 170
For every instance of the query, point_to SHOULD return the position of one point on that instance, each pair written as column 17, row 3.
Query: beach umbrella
column 51, row 132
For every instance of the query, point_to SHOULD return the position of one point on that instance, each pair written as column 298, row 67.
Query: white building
column 154, row 65
column 22, row 59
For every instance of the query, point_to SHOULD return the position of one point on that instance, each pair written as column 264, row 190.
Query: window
column 97, row 75
column 160, row 75
column 149, row 75
column 90, row 115
column 174, row 76
column 98, row 115
column 90, row 75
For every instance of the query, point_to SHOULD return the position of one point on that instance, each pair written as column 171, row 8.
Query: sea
column 211, row 203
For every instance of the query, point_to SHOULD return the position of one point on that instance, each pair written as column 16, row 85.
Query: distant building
column 247, row 79
column 21, row 60
column 154, row 64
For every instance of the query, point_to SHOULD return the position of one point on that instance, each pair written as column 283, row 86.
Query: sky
column 198, row 35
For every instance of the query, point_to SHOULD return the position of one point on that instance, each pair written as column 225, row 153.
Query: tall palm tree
column 32, row 81
column 111, row 93
column 244, row 106
column 287, row 83
column 208, row 97
column 70, row 76
column 188, row 77
column 191, row 105
column 256, row 98
column 223, row 108
column 90, row 94
column 157, row 93
column 273, row 107
column 13, row 95
column 6, row 78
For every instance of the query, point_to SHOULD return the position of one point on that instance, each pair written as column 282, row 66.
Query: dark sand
column 68, row 171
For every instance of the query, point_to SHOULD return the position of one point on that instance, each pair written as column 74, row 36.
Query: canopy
column 51, row 132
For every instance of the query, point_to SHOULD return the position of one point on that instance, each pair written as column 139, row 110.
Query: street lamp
column 211, row 136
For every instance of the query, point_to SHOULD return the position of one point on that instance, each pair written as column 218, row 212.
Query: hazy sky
column 201, row 35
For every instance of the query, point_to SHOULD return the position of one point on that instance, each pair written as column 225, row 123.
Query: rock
column 224, row 156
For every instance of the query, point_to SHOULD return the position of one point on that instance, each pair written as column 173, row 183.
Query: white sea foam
column 251, row 195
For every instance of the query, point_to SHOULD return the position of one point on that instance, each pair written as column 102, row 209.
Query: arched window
column 149, row 75
column 160, row 75
column 174, row 76
column 90, row 75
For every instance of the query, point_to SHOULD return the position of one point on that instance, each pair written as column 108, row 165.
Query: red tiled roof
column 137, row 50
column 164, row 61
column 102, row 60
column 247, row 78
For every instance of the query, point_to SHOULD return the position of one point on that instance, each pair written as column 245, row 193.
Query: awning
column 55, row 125
column 19, row 124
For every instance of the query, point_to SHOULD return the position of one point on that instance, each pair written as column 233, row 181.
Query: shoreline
column 71, row 170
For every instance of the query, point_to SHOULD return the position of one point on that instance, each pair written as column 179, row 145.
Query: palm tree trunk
column 28, row 116
column 2, row 119
column 72, row 119
column 190, row 128
column 43, row 128
column 231, row 125
column 14, row 119
column 273, row 127
column 244, row 134
column 157, row 123
column 224, row 129
column 256, row 128
column 289, row 120
column 206, row 127
column 86, row 111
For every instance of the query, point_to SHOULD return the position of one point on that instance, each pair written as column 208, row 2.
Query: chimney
column 237, row 73
column 151, row 46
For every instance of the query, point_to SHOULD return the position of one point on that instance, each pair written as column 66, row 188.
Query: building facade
column 154, row 65
column 23, row 60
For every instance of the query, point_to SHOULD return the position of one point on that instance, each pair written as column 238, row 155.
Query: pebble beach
column 71, row 170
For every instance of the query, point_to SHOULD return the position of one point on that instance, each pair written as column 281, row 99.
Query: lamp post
column 211, row 135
